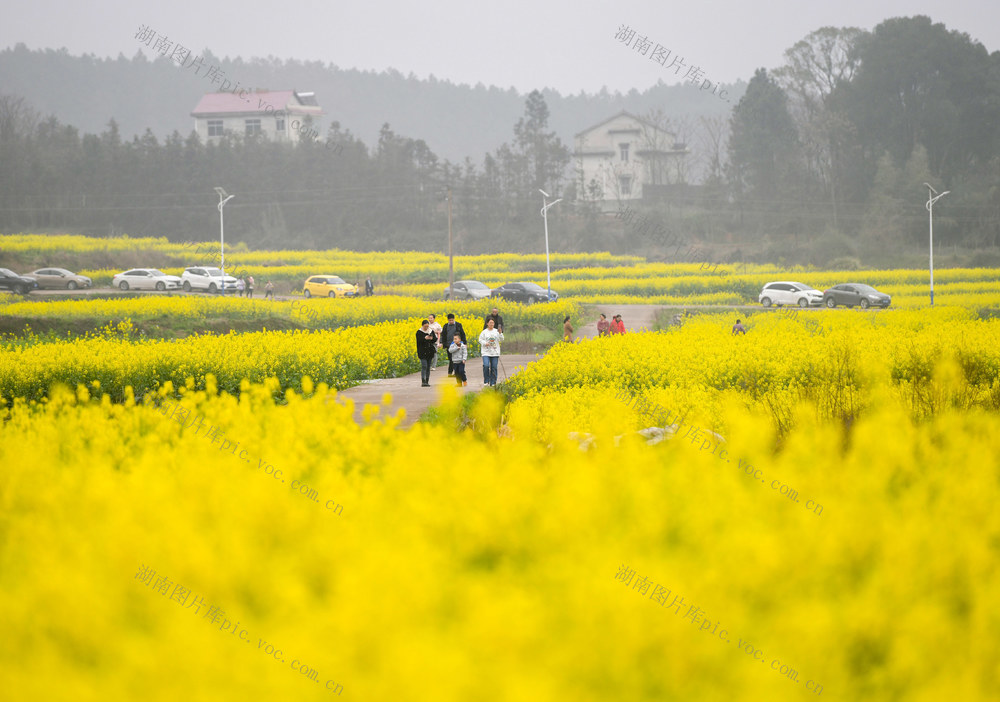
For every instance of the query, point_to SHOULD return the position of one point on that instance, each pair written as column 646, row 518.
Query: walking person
column 489, row 342
column 436, row 328
column 620, row 325
column 567, row 331
column 369, row 288
column 449, row 332
column 603, row 325
column 497, row 320
column 426, row 347
column 738, row 328
column 241, row 286
column 458, row 351
column 269, row 290
column 249, row 286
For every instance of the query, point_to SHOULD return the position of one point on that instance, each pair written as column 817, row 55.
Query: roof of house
column 624, row 113
column 246, row 102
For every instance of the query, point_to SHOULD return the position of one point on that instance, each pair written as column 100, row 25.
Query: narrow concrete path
column 408, row 393
column 415, row 399
column 635, row 317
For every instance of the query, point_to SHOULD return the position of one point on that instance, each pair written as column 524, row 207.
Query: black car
column 851, row 294
column 9, row 280
column 528, row 293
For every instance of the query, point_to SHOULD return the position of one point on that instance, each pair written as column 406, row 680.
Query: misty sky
column 567, row 45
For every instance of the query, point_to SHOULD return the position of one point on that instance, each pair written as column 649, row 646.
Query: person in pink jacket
column 603, row 326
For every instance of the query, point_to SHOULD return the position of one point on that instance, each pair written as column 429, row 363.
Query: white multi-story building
column 280, row 115
column 623, row 155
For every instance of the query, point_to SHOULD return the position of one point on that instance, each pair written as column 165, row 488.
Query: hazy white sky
column 568, row 45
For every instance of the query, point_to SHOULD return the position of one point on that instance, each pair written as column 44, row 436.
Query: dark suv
column 523, row 292
column 9, row 280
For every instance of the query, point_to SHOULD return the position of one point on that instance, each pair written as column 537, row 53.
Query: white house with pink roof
column 280, row 115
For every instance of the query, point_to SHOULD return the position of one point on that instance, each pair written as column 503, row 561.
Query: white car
column 790, row 293
column 145, row 279
column 467, row 290
column 205, row 278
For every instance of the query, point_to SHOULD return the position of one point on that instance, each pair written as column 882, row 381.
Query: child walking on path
column 458, row 352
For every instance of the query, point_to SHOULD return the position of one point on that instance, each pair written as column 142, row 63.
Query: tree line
column 824, row 157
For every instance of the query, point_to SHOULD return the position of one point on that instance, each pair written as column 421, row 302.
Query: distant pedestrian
column 369, row 288
column 620, row 326
column 489, row 342
column 603, row 325
column 738, row 328
column 249, row 286
column 436, row 328
column 269, row 290
column 241, row 286
column 497, row 320
column 567, row 330
column 426, row 342
column 449, row 332
column 458, row 351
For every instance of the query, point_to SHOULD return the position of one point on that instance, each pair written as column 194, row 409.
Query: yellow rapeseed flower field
column 204, row 519
column 146, row 558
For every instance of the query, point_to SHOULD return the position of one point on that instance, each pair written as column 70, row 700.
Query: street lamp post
column 223, row 199
column 932, row 197
column 545, row 216
column 451, row 257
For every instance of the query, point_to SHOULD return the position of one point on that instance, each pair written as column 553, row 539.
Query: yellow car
column 328, row 286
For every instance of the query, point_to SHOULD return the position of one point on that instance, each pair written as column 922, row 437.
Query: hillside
column 456, row 121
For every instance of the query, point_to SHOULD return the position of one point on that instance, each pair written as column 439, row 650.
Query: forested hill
column 455, row 121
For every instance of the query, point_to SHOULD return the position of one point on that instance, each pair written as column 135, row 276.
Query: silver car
column 790, row 293
column 59, row 278
column 145, row 279
column 467, row 290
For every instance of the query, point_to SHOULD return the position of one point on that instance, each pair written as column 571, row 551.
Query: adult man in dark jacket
column 497, row 320
column 448, row 333
column 426, row 348
column 369, row 288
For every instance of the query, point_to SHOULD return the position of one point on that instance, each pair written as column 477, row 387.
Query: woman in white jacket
column 489, row 342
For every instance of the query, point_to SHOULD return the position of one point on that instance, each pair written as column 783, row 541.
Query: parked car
column 467, row 290
column 145, row 279
column 328, row 286
column 9, row 280
column 789, row 293
column 851, row 294
column 206, row 278
column 527, row 293
column 59, row 278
